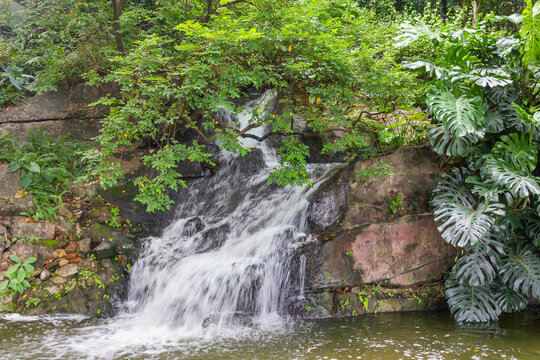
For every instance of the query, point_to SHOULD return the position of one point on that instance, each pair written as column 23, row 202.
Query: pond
column 429, row 335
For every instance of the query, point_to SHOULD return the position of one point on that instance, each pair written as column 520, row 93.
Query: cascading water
column 226, row 255
column 223, row 265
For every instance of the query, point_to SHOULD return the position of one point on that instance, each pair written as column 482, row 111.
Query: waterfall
column 225, row 258
column 302, row 275
column 223, row 265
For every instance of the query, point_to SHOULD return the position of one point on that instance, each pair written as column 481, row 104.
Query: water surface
column 431, row 335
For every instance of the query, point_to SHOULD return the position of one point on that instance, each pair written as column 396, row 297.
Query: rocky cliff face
column 378, row 247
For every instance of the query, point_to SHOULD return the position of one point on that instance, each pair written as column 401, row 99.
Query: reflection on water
column 382, row 336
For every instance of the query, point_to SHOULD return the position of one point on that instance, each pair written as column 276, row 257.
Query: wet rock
column 329, row 206
column 42, row 229
column 63, row 262
column 193, row 226
column 105, row 250
column 59, row 253
column 68, row 270
column 58, row 280
column 110, row 242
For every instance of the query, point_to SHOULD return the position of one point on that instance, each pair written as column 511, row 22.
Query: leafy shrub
column 483, row 101
column 317, row 56
column 17, row 274
column 46, row 167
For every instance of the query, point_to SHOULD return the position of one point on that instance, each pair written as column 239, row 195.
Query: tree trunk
column 117, row 11
column 476, row 6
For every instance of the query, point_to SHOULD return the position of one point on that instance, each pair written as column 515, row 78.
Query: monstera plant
column 485, row 108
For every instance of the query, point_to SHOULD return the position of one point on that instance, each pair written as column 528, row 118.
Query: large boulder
column 409, row 251
column 374, row 228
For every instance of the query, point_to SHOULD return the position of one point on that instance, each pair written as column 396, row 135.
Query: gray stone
column 42, row 229
column 54, row 289
column 25, row 249
column 68, row 270
column 105, row 250
column 10, row 188
column 45, row 274
column 84, row 245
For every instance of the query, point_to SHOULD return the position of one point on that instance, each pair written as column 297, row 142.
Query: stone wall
column 64, row 112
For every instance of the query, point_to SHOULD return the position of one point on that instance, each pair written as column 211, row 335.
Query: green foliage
column 17, row 274
column 316, row 56
column 46, row 167
column 381, row 169
column 396, row 204
column 484, row 103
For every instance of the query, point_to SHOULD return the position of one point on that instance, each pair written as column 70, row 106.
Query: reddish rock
column 75, row 260
column 72, row 256
column 71, row 248
column 406, row 252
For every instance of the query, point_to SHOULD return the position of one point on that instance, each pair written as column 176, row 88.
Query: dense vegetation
column 364, row 68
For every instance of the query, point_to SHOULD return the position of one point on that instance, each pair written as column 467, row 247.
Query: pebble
column 53, row 289
column 59, row 253
column 67, row 270
column 45, row 274
column 63, row 262
column 58, row 280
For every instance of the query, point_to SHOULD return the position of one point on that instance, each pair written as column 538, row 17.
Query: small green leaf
column 21, row 274
column 26, row 180
column 3, row 285
column 13, row 166
column 33, row 167
column 15, row 258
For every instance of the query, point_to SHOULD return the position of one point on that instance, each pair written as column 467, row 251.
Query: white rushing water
column 222, row 267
